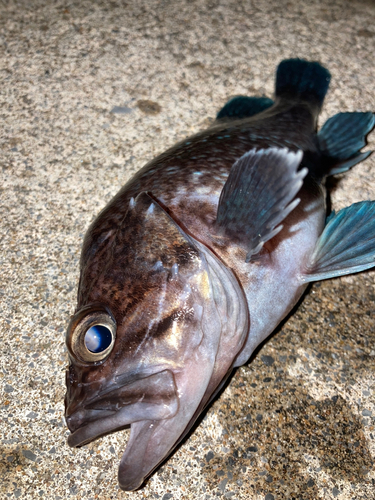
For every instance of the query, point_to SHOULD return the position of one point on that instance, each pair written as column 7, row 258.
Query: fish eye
column 91, row 334
column 98, row 338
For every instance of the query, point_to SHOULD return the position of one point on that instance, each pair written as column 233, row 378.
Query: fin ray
column 297, row 78
column 347, row 244
column 259, row 194
column 244, row 107
column 341, row 138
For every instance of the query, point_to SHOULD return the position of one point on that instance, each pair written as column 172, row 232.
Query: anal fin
column 347, row 244
column 341, row 138
column 258, row 194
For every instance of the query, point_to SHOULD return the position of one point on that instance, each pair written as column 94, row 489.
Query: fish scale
column 201, row 255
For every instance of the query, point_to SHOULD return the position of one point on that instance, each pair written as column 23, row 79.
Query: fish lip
column 154, row 397
column 90, row 432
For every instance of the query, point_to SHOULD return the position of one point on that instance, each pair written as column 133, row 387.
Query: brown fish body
column 188, row 179
column 188, row 269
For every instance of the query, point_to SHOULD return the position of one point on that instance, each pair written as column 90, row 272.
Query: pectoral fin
column 347, row 244
column 259, row 193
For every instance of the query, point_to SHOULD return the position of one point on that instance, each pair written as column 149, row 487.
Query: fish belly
column 273, row 285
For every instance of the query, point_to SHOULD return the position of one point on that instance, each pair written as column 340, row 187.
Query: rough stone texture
column 90, row 91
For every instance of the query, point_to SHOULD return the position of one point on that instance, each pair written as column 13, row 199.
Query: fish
column 201, row 255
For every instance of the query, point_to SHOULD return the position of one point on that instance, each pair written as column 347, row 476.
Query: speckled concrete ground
column 90, row 91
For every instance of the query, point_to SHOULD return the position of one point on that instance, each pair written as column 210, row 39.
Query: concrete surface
column 90, row 91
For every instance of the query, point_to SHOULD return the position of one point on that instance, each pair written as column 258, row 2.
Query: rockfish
column 201, row 255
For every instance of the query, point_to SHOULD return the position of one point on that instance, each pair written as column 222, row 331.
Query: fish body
column 201, row 255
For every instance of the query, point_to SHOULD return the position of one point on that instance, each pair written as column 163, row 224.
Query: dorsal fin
column 243, row 107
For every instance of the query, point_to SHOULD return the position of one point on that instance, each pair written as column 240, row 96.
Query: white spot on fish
column 204, row 190
column 158, row 266
column 174, row 270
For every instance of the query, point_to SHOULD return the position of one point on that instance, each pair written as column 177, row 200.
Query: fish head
column 158, row 325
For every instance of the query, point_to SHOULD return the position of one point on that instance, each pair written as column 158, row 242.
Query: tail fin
column 297, row 78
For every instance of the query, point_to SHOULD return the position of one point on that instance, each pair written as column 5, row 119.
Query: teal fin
column 342, row 137
column 258, row 194
column 300, row 79
column 244, row 107
column 347, row 244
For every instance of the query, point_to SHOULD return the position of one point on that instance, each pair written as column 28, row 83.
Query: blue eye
column 98, row 338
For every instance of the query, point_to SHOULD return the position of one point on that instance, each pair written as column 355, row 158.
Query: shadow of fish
column 201, row 255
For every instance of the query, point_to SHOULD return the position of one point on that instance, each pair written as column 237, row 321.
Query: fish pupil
column 98, row 338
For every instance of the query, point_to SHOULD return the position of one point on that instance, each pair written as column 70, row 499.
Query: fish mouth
column 150, row 398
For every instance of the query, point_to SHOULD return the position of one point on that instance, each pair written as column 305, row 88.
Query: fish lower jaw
column 152, row 398
column 83, row 418
column 90, row 432
column 117, row 420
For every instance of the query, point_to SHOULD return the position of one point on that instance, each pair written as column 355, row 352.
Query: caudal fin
column 300, row 79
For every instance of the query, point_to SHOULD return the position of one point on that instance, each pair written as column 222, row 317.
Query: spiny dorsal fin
column 258, row 195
